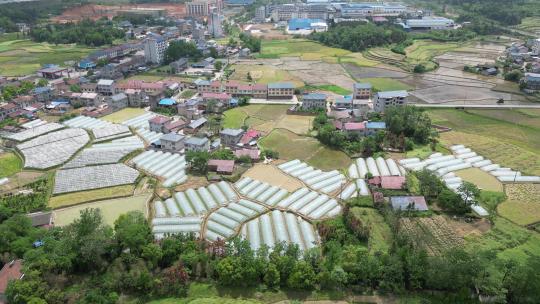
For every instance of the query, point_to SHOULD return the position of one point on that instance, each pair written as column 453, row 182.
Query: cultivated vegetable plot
column 175, row 225
column 110, row 132
column 278, row 226
column 35, row 132
column 319, row 180
column 432, row 233
column 52, row 149
column 93, row 177
column 377, row 167
column 354, row 189
column 86, row 122
column 171, row 167
column 310, row 204
column 225, row 221
column 260, row 191
column 196, row 202
column 149, row 136
column 140, row 121
column 108, row 153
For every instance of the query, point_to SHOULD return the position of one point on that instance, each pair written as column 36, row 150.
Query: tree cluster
column 86, row 32
column 408, row 122
column 356, row 37
column 9, row 92
column 181, row 49
column 251, row 42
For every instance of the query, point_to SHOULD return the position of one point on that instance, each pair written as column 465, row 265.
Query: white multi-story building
column 215, row 24
column 536, row 47
column 154, row 49
column 202, row 8
column 386, row 99
column 260, row 14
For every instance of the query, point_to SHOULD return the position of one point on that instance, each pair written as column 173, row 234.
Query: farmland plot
column 434, row 233
column 52, row 149
column 523, row 204
column 140, row 121
column 93, row 177
column 35, row 132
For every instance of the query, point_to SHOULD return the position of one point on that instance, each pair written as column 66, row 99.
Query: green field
column 111, row 209
column 330, row 88
column 305, row 49
column 292, row 146
column 530, row 24
column 75, row 198
column 10, row 164
column 234, row 118
column 380, row 235
column 523, row 204
column 262, row 74
column 386, row 84
column 123, row 115
column 509, row 144
column 423, row 52
column 22, row 57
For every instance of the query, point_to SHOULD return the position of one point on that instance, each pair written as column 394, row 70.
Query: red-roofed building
column 157, row 123
column 146, row 87
column 249, row 138
column 254, row 154
column 388, row 182
column 221, row 166
column 6, row 109
column 231, row 87
column 354, row 127
column 223, row 97
column 10, row 272
column 259, row 90
column 174, row 126
column 215, row 87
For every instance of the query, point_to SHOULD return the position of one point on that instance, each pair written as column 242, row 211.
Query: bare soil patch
column 273, row 176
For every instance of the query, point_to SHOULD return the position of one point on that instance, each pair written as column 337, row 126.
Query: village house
column 259, row 90
column 41, row 219
column 389, row 98
column 118, row 101
column 174, row 126
column 136, row 97
column 190, row 109
column 361, row 90
column 172, row 142
column 195, row 125
column 6, row 109
column 313, row 101
column 280, row 90
column 221, row 166
column 230, row 137
column 157, row 123
column 388, row 182
column 203, row 86
column 532, row 82
column 23, row 101
column 85, row 99
column 197, row 144
column 249, row 138
column 88, row 87
column 178, row 65
column 105, row 87
column 42, row 94
column 373, row 127
column 253, row 154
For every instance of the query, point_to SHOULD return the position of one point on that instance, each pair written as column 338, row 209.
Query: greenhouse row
column 260, row 191
column 93, row 177
column 140, row 121
column 148, row 136
column 33, row 123
column 128, row 143
column 171, row 167
column 99, row 156
column 355, row 189
column 225, row 221
column 196, row 202
column 110, row 132
column 501, row 173
column 278, row 226
column 35, row 132
column 310, row 204
column 52, row 149
column 376, row 167
column 175, row 225
column 319, row 180
column 85, row 122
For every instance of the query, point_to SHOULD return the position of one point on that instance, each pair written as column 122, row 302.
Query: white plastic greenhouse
column 33, row 123
column 278, row 226
column 225, row 221
column 310, row 204
column 148, row 136
column 326, row 182
column 35, row 131
column 164, row 226
column 261, row 192
column 140, row 121
column 109, row 132
column 171, row 167
column 86, row 122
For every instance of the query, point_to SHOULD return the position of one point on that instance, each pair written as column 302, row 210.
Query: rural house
column 389, row 98
column 230, row 137
column 313, row 101
column 197, row 144
column 172, row 142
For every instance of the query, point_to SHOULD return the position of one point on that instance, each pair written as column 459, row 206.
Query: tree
column 469, row 192
column 271, row 276
column 218, row 65
column 42, row 82
column 429, row 184
column 132, row 231
column 419, row 68
column 213, row 52
column 302, row 276
column 180, row 49
column 198, row 161
column 514, row 75
column 453, row 202
column 249, row 77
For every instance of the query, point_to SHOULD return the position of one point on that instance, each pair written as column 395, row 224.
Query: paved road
column 480, row 106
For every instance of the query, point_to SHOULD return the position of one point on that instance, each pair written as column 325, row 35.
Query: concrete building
column 314, row 101
column 215, row 23
column 230, row 137
column 306, row 26
column 172, row 142
column 221, row 166
column 198, row 8
column 362, row 10
column 136, row 97
column 105, row 87
column 157, row 123
column 535, row 47
column 386, row 99
column 154, row 49
column 280, row 90
column 532, row 82
column 361, row 90
column 197, row 144
column 260, row 14
column 428, row 24
column 179, row 65
column 118, row 101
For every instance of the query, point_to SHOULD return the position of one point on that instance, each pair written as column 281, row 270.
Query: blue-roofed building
column 42, row 94
column 306, row 26
column 343, row 102
column 87, row 64
column 532, row 81
column 239, row 2
column 373, row 127
column 280, row 90
column 166, row 102
column 386, row 99
column 313, row 101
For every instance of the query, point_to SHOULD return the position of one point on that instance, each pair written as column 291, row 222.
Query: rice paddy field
column 515, row 145
column 530, row 24
column 306, row 50
column 123, row 115
column 523, row 204
column 423, row 52
column 111, row 209
column 21, row 57
column 70, row 199
column 386, row 84
column 481, row 179
column 380, row 236
column 10, row 164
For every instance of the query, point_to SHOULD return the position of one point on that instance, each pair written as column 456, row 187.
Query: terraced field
column 523, row 204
